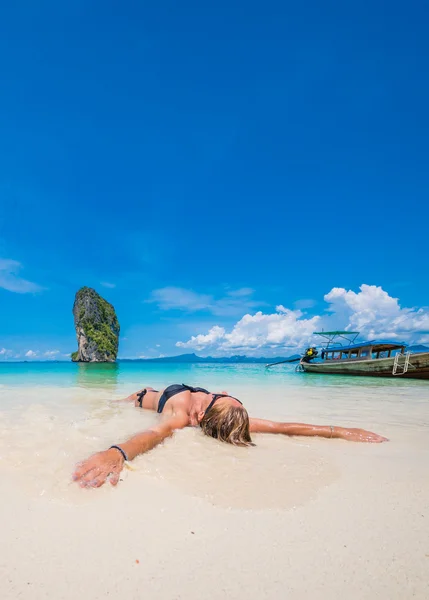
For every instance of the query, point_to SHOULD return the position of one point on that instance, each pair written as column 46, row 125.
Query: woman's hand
column 358, row 435
column 95, row 470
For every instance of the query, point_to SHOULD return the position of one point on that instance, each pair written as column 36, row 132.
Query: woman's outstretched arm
column 326, row 431
column 95, row 470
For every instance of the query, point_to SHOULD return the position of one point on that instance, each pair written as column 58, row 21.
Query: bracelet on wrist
column 124, row 454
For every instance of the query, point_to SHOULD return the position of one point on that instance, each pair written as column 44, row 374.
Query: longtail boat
column 342, row 355
column 374, row 358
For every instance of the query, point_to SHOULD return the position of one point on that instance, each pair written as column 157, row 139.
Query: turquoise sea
column 278, row 392
column 119, row 376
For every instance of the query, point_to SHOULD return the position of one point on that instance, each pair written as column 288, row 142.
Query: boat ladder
column 401, row 368
column 299, row 368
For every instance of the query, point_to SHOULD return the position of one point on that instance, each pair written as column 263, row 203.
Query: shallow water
column 55, row 414
column 121, row 374
column 302, row 518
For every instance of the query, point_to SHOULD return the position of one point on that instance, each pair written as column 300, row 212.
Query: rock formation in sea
column 97, row 328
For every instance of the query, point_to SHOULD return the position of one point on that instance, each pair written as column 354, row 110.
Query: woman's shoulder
column 181, row 403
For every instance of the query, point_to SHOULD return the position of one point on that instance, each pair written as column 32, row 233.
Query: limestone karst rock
column 97, row 328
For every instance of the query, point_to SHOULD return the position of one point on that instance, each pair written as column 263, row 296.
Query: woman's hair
column 227, row 424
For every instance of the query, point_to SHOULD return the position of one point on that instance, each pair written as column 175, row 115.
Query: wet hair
column 227, row 424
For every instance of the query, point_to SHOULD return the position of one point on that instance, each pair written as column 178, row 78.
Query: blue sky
column 199, row 162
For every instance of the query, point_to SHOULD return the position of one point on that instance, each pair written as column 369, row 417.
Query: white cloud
column 169, row 298
column 241, row 292
column 232, row 304
column 304, row 303
column 376, row 314
column 371, row 311
column 3, row 351
column 106, row 284
column 10, row 280
column 47, row 355
column 199, row 342
column 284, row 328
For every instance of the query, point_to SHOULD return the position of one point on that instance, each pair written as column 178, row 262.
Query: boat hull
column 378, row 367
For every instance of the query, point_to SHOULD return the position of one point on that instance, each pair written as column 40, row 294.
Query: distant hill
column 237, row 359
column 193, row 358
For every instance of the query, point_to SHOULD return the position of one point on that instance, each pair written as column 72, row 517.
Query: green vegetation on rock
column 97, row 327
column 101, row 334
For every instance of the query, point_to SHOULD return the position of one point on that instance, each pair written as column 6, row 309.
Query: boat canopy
column 330, row 333
column 380, row 345
column 333, row 336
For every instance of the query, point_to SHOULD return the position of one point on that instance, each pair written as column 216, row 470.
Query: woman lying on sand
column 219, row 415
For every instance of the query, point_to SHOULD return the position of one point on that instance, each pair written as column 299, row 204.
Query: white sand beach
column 291, row 518
column 231, row 196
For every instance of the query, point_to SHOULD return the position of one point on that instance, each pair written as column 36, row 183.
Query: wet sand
column 292, row 518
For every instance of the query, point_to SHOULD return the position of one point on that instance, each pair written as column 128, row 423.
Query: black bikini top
column 216, row 397
column 194, row 390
